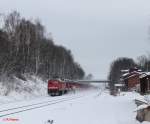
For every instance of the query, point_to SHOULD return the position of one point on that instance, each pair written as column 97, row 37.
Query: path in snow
column 104, row 109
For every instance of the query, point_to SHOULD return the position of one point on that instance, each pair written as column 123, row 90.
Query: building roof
column 145, row 74
column 119, row 85
column 131, row 74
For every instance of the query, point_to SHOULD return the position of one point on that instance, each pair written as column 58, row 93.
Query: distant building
column 145, row 83
column 131, row 78
column 135, row 79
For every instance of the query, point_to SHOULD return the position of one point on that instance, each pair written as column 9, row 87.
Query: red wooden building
column 135, row 79
column 131, row 78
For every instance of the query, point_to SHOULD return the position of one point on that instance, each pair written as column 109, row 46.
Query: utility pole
column 147, row 66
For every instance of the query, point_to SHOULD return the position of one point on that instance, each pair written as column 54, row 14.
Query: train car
column 57, row 87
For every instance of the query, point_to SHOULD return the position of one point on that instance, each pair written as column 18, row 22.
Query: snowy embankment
column 19, row 89
column 27, row 87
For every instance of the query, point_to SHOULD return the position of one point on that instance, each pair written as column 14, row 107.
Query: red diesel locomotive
column 58, row 87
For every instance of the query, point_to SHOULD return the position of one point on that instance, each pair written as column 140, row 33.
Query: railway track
column 20, row 109
column 19, row 101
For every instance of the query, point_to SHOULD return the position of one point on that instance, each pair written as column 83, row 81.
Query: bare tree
column 116, row 67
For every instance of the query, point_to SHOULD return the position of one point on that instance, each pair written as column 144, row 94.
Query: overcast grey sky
column 96, row 31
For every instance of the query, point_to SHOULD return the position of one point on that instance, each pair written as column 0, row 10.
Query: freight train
column 57, row 87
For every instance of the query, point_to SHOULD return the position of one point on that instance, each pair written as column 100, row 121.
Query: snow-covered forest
column 27, row 49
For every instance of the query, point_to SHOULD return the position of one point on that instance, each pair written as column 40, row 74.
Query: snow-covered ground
column 94, row 107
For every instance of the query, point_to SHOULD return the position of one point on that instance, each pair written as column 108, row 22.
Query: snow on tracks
column 28, row 107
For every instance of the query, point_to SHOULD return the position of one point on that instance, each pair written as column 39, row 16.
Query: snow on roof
column 132, row 75
column 145, row 74
column 142, row 99
column 127, row 70
column 131, row 70
column 142, row 107
column 119, row 85
column 125, row 74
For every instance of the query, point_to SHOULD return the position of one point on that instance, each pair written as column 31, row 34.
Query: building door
column 143, row 85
